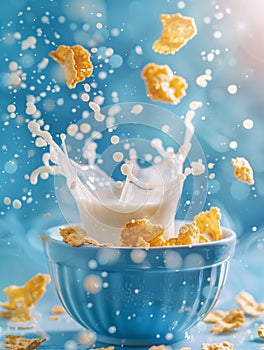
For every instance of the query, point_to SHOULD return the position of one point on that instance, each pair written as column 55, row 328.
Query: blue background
column 126, row 26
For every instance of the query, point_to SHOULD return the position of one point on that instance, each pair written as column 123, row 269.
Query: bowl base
column 141, row 342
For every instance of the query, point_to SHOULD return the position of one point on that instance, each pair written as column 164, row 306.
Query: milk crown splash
column 105, row 205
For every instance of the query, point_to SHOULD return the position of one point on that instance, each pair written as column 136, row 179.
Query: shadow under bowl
column 138, row 296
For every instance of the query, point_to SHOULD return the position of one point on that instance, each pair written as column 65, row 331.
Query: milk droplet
column 17, row 204
column 118, row 157
column 114, row 139
column 248, row 124
column 137, row 109
column 232, row 89
column 233, row 144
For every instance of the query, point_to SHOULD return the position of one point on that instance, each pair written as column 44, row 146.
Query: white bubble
column 116, row 61
column 85, row 97
column 93, row 284
column 181, row 5
column 210, row 290
column 87, row 87
column 92, row 264
column 217, row 34
column 232, row 89
column 210, row 57
column 137, row 109
column 165, row 128
column 109, row 52
column 118, row 157
column 11, row 166
column 248, row 124
column 112, row 329
column 87, row 337
column 169, row 336
column 31, row 108
column 114, row 139
column 16, row 204
column 194, row 105
column 139, row 50
column 201, row 80
column 29, row 43
column 207, row 20
column 193, row 260
column 40, row 142
column 70, row 345
column 233, row 144
column 11, row 108
column 107, row 256
column 138, row 255
column 7, row 201
column 72, row 129
column 115, row 32
column 102, row 75
column 173, row 260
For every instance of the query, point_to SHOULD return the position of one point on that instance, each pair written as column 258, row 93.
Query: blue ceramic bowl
column 138, row 296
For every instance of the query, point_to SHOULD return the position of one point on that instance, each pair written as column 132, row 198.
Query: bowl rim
column 48, row 235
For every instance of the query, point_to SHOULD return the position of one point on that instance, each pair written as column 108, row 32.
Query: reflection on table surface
column 64, row 333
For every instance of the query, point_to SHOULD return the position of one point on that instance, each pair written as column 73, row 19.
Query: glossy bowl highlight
column 137, row 296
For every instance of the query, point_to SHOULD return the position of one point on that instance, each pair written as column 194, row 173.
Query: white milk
column 105, row 205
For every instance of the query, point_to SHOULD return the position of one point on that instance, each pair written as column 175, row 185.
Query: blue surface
column 128, row 25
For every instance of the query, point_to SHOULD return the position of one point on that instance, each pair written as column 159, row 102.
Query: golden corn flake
column 208, row 223
column 75, row 61
column 218, row 346
column 108, row 348
column 162, row 85
column 233, row 319
column 248, row 304
column 58, row 309
column 138, row 233
column 177, row 31
column 243, row 170
column 158, row 241
column 261, row 331
column 20, row 299
column 158, row 347
column 16, row 342
column 215, row 316
column 76, row 236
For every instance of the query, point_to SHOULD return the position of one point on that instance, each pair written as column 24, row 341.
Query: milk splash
column 151, row 191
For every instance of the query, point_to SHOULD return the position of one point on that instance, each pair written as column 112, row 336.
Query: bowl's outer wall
column 153, row 299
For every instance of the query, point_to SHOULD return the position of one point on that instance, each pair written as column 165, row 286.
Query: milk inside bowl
column 126, row 162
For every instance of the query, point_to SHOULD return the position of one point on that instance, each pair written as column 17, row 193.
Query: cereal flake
column 243, row 170
column 20, row 299
column 162, row 84
column 248, row 304
column 177, row 31
column 218, row 346
column 208, row 223
column 16, row 342
column 233, row 319
column 76, row 236
column 138, row 233
column 75, row 61
column 261, row 331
